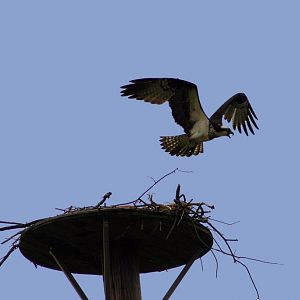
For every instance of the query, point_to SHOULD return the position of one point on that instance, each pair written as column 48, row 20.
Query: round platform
column 76, row 239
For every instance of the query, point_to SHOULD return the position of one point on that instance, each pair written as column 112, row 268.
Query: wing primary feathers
column 152, row 90
column 245, row 128
column 239, row 112
column 253, row 121
column 243, row 121
column 233, row 119
column 249, row 125
column 252, row 111
column 229, row 113
column 239, row 127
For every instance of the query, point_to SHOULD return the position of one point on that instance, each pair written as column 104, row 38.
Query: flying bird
column 187, row 111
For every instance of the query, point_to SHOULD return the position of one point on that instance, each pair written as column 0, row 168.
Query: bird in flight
column 187, row 111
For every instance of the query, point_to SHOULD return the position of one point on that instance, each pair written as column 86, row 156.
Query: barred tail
column 180, row 145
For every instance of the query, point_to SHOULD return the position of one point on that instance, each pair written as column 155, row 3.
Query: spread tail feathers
column 180, row 145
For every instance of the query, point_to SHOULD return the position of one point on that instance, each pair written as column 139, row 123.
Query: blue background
column 67, row 137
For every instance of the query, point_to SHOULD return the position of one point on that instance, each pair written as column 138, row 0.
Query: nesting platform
column 165, row 240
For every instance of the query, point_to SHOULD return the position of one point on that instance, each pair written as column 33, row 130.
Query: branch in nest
column 222, row 222
column 11, row 237
column 246, row 257
column 160, row 179
column 18, row 225
column 15, row 245
column 104, row 198
column 5, row 257
column 156, row 182
column 234, row 257
column 14, row 223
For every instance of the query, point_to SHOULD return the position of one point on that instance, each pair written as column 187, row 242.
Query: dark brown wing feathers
column 179, row 104
column 182, row 96
column 148, row 89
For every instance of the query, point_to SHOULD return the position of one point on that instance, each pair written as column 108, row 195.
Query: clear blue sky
column 67, row 137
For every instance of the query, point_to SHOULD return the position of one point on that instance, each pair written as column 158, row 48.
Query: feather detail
column 180, row 145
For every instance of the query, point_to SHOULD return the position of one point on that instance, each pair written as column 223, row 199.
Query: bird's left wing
column 182, row 96
column 239, row 111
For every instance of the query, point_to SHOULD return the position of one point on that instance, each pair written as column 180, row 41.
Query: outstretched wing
column 182, row 96
column 239, row 111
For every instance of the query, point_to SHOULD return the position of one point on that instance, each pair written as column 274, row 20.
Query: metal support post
column 69, row 275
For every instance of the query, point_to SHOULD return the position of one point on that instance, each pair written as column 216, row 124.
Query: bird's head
column 223, row 131
column 229, row 132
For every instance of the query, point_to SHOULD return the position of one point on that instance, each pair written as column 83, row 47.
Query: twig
column 152, row 178
column 222, row 222
column 217, row 263
column 20, row 225
column 14, row 223
column 11, row 237
column 177, row 195
column 234, row 257
column 202, row 267
column 224, row 239
column 156, row 182
column 253, row 283
column 172, row 227
column 104, row 198
column 185, row 171
column 247, row 258
column 5, row 257
column 126, row 203
column 182, row 214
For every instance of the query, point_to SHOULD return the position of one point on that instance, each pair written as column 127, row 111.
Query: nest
column 166, row 236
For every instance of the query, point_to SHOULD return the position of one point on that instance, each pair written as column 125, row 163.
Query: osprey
column 187, row 111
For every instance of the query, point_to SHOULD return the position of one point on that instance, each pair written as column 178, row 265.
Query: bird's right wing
column 153, row 90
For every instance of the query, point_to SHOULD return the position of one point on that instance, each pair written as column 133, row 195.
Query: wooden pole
column 125, row 276
column 106, row 261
